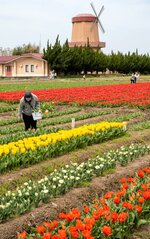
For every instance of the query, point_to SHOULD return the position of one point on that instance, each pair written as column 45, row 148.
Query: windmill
column 97, row 17
column 85, row 29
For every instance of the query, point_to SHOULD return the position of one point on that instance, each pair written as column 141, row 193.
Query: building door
column 8, row 70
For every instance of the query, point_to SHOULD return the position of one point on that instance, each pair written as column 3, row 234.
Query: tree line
column 65, row 60
column 73, row 61
column 25, row 48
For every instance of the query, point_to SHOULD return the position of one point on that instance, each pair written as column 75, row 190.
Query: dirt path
column 142, row 233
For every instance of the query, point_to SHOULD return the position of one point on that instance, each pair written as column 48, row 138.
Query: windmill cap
column 84, row 18
column 28, row 94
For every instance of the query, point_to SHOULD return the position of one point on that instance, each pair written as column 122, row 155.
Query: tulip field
column 85, row 172
column 117, row 95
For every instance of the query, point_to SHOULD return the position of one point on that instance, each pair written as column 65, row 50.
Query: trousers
column 29, row 122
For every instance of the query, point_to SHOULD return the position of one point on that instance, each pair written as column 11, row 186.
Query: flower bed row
column 141, row 125
column 45, row 115
column 7, row 108
column 133, row 95
column 31, row 194
column 111, row 216
column 16, row 135
column 49, row 121
column 34, row 149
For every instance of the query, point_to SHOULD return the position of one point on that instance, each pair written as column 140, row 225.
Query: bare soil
column 141, row 233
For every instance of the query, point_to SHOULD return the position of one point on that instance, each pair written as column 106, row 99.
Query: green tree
column 101, row 61
column 53, row 55
column 65, row 58
column 88, row 57
column 29, row 48
column 75, row 66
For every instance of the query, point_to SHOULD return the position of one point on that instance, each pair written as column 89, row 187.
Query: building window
column 26, row 68
column 32, row 68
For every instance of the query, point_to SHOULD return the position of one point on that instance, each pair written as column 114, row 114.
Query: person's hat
column 28, row 95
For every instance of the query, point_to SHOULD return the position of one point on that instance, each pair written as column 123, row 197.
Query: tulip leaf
column 142, row 222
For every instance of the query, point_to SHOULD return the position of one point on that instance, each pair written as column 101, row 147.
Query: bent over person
column 28, row 103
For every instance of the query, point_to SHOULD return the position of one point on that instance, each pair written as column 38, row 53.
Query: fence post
column 73, row 123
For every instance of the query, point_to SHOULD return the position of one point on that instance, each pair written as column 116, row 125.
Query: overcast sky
column 126, row 22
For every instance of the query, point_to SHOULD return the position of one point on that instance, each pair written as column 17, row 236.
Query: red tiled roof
column 84, row 18
column 37, row 55
column 4, row 59
column 85, row 15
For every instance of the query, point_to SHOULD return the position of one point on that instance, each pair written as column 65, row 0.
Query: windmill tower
column 85, row 29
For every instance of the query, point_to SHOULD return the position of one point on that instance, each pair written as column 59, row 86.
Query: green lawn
column 37, row 84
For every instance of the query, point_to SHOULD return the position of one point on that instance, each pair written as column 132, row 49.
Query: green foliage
column 29, row 48
column 68, row 82
column 52, row 55
column 141, row 126
column 84, row 184
column 65, row 60
column 143, row 222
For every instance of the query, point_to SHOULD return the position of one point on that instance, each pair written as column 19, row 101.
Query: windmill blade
column 97, row 17
column 95, row 14
column 102, row 9
column 101, row 26
column 93, row 9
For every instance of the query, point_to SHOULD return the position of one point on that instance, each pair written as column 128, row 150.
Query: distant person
column 28, row 103
column 55, row 75
column 137, row 77
column 51, row 75
column 83, row 77
column 133, row 78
